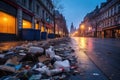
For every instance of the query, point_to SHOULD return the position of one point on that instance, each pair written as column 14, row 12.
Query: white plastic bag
column 58, row 58
column 35, row 50
column 62, row 64
column 41, row 68
column 50, row 52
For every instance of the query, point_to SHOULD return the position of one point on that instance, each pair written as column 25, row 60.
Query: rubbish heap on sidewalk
column 48, row 60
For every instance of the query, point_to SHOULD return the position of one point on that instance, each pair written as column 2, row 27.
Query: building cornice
column 45, row 7
column 18, row 6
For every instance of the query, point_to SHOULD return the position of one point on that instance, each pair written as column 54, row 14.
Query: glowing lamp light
column 5, row 19
column 82, row 26
column 24, row 24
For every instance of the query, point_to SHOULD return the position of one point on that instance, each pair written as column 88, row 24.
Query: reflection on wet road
column 98, row 56
column 8, row 45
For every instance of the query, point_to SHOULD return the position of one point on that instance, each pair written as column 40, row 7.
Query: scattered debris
column 56, row 64
column 95, row 74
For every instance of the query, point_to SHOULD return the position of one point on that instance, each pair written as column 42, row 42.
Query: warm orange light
column 42, row 28
column 7, row 23
column 5, row 19
column 49, row 30
column 26, row 24
column 82, row 26
column 37, row 26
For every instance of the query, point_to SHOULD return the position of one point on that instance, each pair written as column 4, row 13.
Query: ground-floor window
column 42, row 29
column 7, row 23
column 37, row 26
column 118, row 32
column 50, row 31
column 27, row 24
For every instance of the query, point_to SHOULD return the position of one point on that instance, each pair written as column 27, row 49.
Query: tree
column 58, row 6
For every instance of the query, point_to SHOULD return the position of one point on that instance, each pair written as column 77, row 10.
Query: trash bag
column 54, row 71
column 41, row 68
column 38, row 65
column 58, row 58
column 35, row 50
column 50, row 52
column 63, row 64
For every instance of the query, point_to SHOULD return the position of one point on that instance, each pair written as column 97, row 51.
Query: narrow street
column 98, row 57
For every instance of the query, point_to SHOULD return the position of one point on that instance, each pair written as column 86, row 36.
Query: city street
column 60, row 39
column 98, row 57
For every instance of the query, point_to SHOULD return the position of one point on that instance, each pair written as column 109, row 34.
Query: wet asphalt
column 98, row 58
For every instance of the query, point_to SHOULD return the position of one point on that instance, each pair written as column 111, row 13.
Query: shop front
column 27, row 32
column 99, row 32
column 37, row 30
column 8, row 28
column 50, row 31
column 111, row 32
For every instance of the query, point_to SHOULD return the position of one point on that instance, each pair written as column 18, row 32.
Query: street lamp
column 82, row 27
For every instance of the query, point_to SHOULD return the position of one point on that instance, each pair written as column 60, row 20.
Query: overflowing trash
column 52, row 60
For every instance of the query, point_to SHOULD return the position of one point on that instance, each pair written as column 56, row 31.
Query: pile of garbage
column 48, row 60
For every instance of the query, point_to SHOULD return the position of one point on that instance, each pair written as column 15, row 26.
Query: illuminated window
column 27, row 24
column 50, row 31
column 7, row 23
column 42, row 29
column 37, row 26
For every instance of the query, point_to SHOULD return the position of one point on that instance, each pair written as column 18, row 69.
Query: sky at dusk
column 75, row 10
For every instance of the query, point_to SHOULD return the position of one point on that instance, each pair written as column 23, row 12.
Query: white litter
column 63, row 64
column 35, row 50
column 50, row 52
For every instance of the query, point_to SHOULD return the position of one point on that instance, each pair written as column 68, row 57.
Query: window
column 119, row 19
column 119, row 8
column 115, row 9
column 26, row 24
column 37, row 9
column 109, row 12
column 42, row 29
column 50, row 31
column 30, row 5
column 36, row 26
column 43, row 14
column 7, row 23
column 24, row 2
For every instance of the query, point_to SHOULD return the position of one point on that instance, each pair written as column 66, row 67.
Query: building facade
column 60, row 25
column 104, row 21
column 32, row 15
